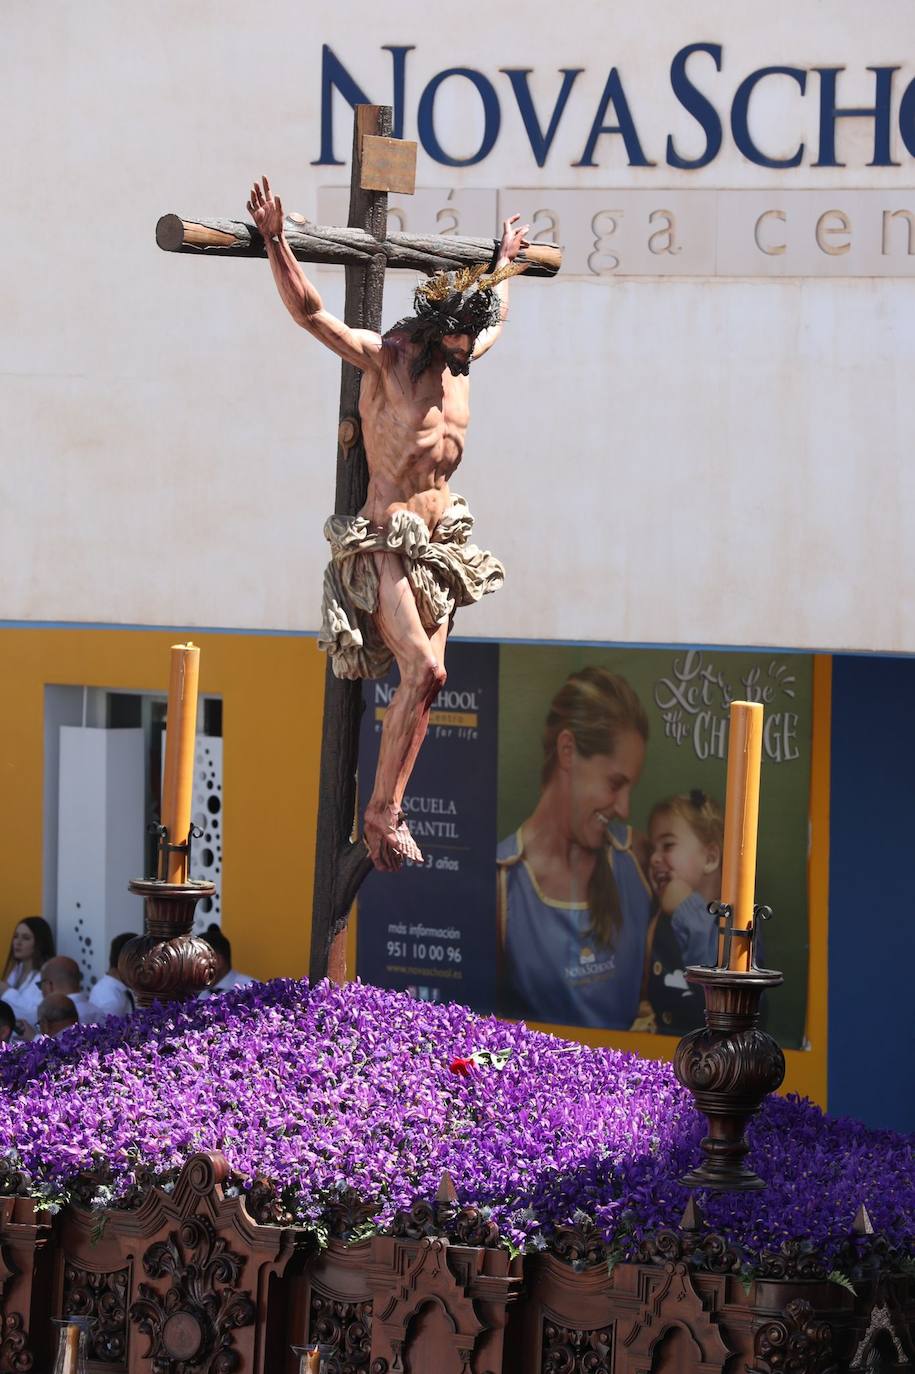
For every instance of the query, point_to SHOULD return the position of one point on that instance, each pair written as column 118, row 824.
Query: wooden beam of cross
column 380, row 164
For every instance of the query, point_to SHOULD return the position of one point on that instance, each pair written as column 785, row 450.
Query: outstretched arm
column 513, row 241
column 361, row 347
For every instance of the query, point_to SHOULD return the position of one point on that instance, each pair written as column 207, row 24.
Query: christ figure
column 401, row 566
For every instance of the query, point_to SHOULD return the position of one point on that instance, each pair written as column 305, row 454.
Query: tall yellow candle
column 741, row 822
column 178, row 777
column 313, row 1357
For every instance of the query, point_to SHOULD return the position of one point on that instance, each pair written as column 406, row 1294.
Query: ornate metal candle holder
column 167, row 963
column 730, row 1065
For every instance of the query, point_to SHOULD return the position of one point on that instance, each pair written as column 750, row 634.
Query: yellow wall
column 272, row 690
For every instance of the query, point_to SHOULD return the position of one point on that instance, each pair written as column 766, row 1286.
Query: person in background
column 31, row 946
column 226, row 976
column 686, row 834
column 111, row 996
column 62, row 975
column 7, row 1022
column 573, row 903
column 56, row 1013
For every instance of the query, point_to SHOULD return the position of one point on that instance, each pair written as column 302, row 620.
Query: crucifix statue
column 402, row 564
column 401, row 556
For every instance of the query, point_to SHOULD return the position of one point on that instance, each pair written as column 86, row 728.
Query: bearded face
column 447, row 323
column 457, row 350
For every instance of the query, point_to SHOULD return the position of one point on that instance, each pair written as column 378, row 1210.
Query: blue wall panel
column 872, row 892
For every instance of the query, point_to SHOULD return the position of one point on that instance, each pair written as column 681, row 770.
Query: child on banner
column 686, row 835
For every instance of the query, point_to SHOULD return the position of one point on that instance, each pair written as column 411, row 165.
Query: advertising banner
column 569, row 804
column 431, row 930
column 664, row 804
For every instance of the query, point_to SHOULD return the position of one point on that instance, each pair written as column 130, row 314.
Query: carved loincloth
column 444, row 570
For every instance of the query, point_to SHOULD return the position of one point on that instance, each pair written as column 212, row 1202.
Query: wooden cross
column 380, row 164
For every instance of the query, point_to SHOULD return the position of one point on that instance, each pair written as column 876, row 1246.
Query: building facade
column 696, row 437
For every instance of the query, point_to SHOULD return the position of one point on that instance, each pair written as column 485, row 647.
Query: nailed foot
column 388, row 839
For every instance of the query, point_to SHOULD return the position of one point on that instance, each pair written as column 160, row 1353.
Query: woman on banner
column 573, row 902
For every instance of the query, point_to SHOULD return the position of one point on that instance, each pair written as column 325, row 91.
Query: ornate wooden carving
column 470, row 1226
column 348, row 1215
column 464, row 1225
column 580, row 1244
column 103, row 1298
column 423, row 1274
column 12, row 1180
column 700, row 1249
column 190, row 1325
column 419, row 1221
column 729, row 1066
column 346, row 1327
column 793, row 1260
column 15, row 1354
column 206, row 1285
column 798, row 1342
column 26, row 1340
column 223, row 1295
column 671, row 1300
column 167, row 963
column 264, row 1206
column 880, row 1338
column 566, row 1350
column 727, row 1063
column 437, row 1301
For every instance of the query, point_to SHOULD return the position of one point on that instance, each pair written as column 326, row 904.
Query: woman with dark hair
column 32, row 944
column 573, row 902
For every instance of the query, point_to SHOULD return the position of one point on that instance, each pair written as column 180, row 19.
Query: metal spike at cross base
column 446, row 1189
column 693, row 1218
column 862, row 1224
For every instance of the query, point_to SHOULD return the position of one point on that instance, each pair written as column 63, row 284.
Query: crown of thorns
column 462, row 302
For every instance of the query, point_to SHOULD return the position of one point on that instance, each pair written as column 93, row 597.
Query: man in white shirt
column 226, row 975
column 56, row 1012
column 111, row 996
column 61, row 975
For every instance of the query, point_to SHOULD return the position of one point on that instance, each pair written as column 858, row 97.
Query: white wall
column 657, row 459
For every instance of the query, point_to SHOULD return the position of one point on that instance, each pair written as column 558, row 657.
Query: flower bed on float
column 327, row 1101
column 323, row 1090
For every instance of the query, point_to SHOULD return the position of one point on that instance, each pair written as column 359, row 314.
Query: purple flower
column 325, row 1091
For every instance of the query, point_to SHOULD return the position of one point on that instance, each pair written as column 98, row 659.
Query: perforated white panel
column 206, row 857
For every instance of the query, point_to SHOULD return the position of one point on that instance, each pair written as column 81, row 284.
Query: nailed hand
column 266, row 210
column 513, row 239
